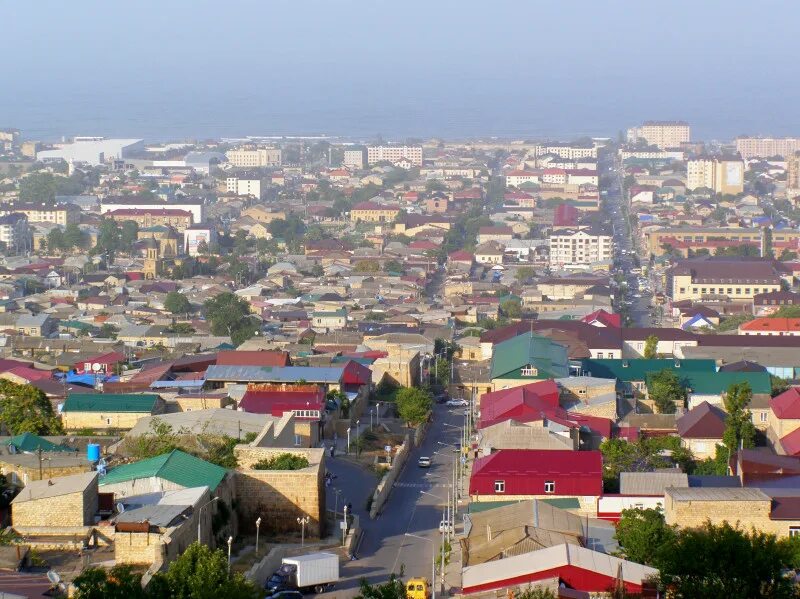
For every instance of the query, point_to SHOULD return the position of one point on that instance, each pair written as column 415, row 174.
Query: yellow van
column 417, row 588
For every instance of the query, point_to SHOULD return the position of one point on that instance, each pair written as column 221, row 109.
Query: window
column 499, row 486
column 298, row 440
column 763, row 416
column 530, row 370
column 794, row 531
column 549, row 486
column 108, row 421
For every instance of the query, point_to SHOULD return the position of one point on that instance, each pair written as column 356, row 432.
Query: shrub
column 284, row 461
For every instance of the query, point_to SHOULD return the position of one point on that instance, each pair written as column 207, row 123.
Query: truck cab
column 417, row 588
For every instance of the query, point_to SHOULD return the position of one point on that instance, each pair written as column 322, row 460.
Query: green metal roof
column 475, row 507
column 110, row 402
column 28, row 442
column 177, row 467
column 716, row 383
column 638, row 369
column 549, row 357
column 565, row 503
column 331, row 313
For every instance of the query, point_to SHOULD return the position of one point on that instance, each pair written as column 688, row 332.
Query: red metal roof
column 277, row 402
column 253, row 358
column 787, row 404
column 525, row 403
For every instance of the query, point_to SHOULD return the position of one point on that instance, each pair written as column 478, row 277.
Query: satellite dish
column 53, row 576
column 120, row 507
column 97, row 367
column 12, row 449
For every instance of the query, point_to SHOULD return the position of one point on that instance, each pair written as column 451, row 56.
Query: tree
column 739, row 428
column 666, row 390
column 26, row 409
column 129, row 233
column 778, row 385
column 651, row 347
column 394, row 266
column 181, row 328
column 642, row 533
column 107, row 237
column 723, row 561
column 55, row 240
column 118, row 583
column 202, row 573
column 512, row 308
column 177, row 303
column 38, row 187
column 230, row 315
column 74, row 237
column 367, row 266
column 414, row 405
column 525, row 273
column 394, row 588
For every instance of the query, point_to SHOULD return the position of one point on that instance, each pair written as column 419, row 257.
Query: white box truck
column 316, row 572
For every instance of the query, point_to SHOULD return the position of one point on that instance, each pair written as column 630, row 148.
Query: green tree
column 38, row 187
column 778, row 385
column 525, row 273
column 26, row 409
column 230, row 315
column 202, row 573
column 290, row 229
column 129, row 233
column 367, row 266
column 394, row 266
column 55, row 240
column 394, row 588
column 118, row 583
column 651, row 347
column 666, row 390
column 642, row 533
column 181, row 328
column 74, row 237
column 511, row 308
column 414, row 405
column 739, row 428
column 283, row 461
column 723, row 561
column 108, row 235
column 177, row 303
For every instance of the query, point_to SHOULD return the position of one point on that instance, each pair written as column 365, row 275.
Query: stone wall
column 262, row 570
column 29, row 473
column 279, row 497
column 384, row 487
column 748, row 514
column 75, row 509
column 74, row 421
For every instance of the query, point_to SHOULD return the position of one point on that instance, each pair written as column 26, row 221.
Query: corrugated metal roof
column 650, row 483
column 286, row 374
column 28, row 442
column 109, row 402
column 177, row 467
column 162, row 516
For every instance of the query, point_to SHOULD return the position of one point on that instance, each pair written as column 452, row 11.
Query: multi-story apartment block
column 244, row 186
column 395, row 154
column 254, row 157
column 195, row 206
column 355, row 158
column 700, row 237
column 567, row 150
column 14, row 232
column 178, row 219
column 373, row 213
column 766, row 147
column 578, row 248
column 662, row 134
column 59, row 214
column 737, row 280
column 722, row 175
column 793, row 170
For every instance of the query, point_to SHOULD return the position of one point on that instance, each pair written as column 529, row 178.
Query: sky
column 174, row 69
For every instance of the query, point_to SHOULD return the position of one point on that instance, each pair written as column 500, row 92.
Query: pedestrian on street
column 331, row 450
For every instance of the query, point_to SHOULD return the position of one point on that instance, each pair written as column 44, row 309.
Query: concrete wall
column 281, row 496
column 73, row 421
column 262, row 570
column 75, row 509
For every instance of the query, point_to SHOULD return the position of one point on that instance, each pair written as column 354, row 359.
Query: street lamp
column 358, row 436
column 344, row 525
column 200, row 517
column 378, row 414
column 348, row 439
column 302, row 522
column 336, row 492
column 433, row 561
column 258, row 526
column 230, row 543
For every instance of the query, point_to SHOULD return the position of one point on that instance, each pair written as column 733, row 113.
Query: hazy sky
column 174, row 68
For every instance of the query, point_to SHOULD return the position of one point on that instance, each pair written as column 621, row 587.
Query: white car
column 445, row 525
column 457, row 402
column 424, row 462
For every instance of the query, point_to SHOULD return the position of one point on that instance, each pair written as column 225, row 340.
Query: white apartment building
column 765, row 147
column 566, row 150
column 59, row 214
column 394, row 154
column 250, row 186
column 723, row 175
column 674, row 155
column 518, row 177
column 662, row 134
column 355, row 158
column 14, row 232
column 579, row 248
column 254, row 157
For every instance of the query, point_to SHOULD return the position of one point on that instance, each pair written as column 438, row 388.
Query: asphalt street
column 385, row 546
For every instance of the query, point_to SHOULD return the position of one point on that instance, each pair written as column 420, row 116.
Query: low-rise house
column 526, row 358
column 118, row 411
column 701, row 429
column 783, row 422
column 305, row 402
column 331, row 320
column 514, row 475
column 64, row 501
column 38, row 325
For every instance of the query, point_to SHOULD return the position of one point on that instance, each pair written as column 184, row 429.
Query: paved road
column 384, row 547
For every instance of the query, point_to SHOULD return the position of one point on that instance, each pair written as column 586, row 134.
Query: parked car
column 441, row 398
column 424, row 462
column 445, row 525
column 458, row 402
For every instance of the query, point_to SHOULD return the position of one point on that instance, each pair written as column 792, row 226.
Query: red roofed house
column 565, row 215
column 601, row 318
column 523, row 404
column 102, row 363
column 771, row 326
column 150, row 217
column 520, row 474
column 253, row 358
column 783, row 422
column 701, row 429
column 461, row 257
column 306, row 402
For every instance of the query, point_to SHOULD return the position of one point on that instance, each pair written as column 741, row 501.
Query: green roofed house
column 29, row 443
column 631, row 375
column 710, row 387
column 527, row 358
column 103, row 411
column 332, row 320
column 167, row 472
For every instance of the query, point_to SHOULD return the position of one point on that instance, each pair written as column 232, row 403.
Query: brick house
column 65, row 501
